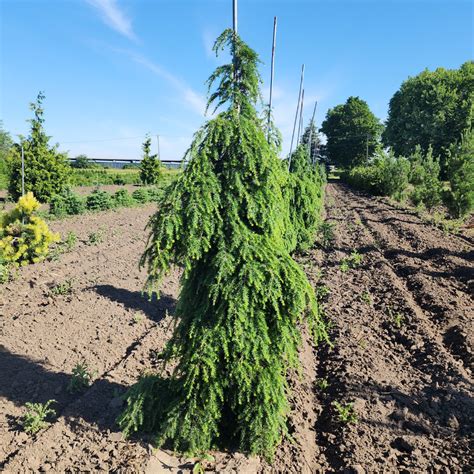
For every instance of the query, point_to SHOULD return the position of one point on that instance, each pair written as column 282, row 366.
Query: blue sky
column 113, row 70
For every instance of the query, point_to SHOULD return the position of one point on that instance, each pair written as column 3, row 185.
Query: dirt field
column 401, row 323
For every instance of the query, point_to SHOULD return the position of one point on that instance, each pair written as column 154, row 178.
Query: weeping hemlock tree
column 242, row 294
column 306, row 197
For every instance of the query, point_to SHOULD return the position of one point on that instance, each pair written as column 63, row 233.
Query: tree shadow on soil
column 154, row 308
column 23, row 379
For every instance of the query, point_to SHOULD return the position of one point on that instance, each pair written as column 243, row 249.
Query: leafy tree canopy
column 352, row 132
column 433, row 108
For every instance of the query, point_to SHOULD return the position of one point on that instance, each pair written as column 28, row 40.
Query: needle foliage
column 242, row 295
column 305, row 194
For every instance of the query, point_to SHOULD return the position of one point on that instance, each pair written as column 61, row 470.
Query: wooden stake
column 296, row 115
column 272, row 74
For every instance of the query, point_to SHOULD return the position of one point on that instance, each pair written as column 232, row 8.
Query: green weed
column 81, row 378
column 35, row 416
column 326, row 233
column 322, row 291
column 62, row 289
column 95, row 238
column 322, row 384
column 200, row 466
column 366, row 297
column 345, row 413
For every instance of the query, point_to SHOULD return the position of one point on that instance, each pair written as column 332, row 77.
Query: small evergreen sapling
column 150, row 166
column 242, row 295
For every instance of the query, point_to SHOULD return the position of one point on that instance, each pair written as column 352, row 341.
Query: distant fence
column 121, row 162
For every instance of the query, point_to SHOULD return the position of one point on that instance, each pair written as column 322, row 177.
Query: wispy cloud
column 114, row 17
column 190, row 97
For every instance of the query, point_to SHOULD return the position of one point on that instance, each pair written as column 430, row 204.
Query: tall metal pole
column 310, row 142
column 300, row 126
column 234, row 16
column 296, row 115
column 158, row 146
column 272, row 74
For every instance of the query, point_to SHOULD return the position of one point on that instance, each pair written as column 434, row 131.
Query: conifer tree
column 46, row 170
column 311, row 133
column 150, row 166
column 242, row 295
column 306, row 197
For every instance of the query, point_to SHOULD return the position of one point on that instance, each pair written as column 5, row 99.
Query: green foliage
column 95, row 238
column 306, row 198
column 431, row 109
column 122, row 198
column 345, row 413
column 386, row 175
column 100, row 175
column 353, row 261
column 66, row 204
column 242, row 295
column 349, row 128
column 82, row 162
column 47, row 171
column 326, row 233
column 81, row 378
column 99, row 200
column 150, row 166
column 322, row 384
column 24, row 237
column 460, row 173
column 6, row 143
column 62, row 289
column 314, row 149
column 35, row 416
column 4, row 271
column 424, row 176
column 141, row 195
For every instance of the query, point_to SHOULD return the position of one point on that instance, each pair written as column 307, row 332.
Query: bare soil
column 401, row 325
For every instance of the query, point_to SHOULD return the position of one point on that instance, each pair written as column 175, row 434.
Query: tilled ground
column 402, row 354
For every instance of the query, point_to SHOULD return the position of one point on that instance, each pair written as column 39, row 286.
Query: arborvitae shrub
column 47, row 171
column 99, row 200
column 242, row 295
column 66, row 204
column 24, row 237
column 306, row 197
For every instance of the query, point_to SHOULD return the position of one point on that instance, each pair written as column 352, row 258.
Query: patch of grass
column 81, row 379
column 345, row 412
column 35, row 416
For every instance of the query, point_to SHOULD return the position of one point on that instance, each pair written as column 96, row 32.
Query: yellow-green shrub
column 24, row 237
